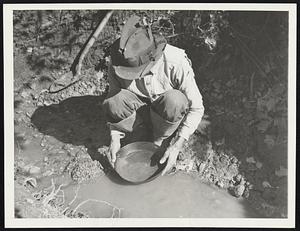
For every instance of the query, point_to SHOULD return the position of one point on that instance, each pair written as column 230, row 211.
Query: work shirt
column 173, row 70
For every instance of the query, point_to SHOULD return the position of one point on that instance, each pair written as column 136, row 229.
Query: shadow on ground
column 80, row 121
column 76, row 120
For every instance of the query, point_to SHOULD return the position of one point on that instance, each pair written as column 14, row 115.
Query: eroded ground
column 60, row 173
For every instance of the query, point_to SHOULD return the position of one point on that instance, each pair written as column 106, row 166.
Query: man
column 146, row 72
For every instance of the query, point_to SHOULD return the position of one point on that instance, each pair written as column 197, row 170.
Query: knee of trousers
column 172, row 105
column 118, row 107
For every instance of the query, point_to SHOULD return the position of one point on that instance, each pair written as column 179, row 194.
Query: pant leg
column 167, row 113
column 121, row 108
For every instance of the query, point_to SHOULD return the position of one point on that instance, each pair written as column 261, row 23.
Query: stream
column 178, row 195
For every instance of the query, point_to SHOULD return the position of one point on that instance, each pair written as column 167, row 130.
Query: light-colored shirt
column 173, row 70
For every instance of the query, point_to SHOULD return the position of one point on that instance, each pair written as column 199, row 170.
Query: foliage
column 240, row 64
column 239, row 59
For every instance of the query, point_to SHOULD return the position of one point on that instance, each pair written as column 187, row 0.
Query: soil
column 234, row 165
column 57, row 137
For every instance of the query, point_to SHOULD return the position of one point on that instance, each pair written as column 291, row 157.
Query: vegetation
column 240, row 64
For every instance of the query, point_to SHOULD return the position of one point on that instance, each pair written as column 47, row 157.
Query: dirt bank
column 240, row 148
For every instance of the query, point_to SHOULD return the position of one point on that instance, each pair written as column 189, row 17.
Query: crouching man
column 145, row 71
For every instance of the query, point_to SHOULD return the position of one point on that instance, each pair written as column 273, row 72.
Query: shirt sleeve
column 114, row 84
column 114, row 88
column 184, row 80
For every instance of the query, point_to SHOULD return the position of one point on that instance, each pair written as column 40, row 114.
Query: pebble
column 99, row 74
column 34, row 97
column 46, row 158
column 25, row 94
column 31, row 181
column 281, row 172
column 33, row 86
column 250, row 160
column 259, row 165
column 47, row 103
column 48, row 173
column 35, row 170
column 239, row 190
column 238, row 178
column 266, row 184
column 246, row 193
column 29, row 200
column 220, row 184
column 29, row 50
column 27, row 142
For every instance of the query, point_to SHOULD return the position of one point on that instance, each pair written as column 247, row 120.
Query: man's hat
column 136, row 52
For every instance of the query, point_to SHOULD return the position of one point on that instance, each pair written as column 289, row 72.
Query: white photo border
column 12, row 222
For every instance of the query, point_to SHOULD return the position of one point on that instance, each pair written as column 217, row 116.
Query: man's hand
column 171, row 154
column 115, row 146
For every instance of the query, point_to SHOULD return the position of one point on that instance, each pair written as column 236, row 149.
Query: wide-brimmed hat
column 137, row 50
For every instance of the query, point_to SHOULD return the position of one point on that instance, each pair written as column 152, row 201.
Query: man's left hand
column 171, row 154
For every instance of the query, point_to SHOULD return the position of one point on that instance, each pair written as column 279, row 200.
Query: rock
column 238, row 178
column 26, row 168
column 281, row 172
column 48, row 173
column 29, row 50
column 266, row 184
column 250, row 160
column 246, row 193
column 223, row 160
column 61, row 152
column 220, row 184
column 30, row 201
column 238, row 190
column 33, row 85
column 201, row 167
column 47, row 103
column 34, row 96
column 259, row 165
column 34, row 170
column 234, row 160
column 25, row 94
column 99, row 75
column 31, row 181
column 46, row 159
column 39, row 104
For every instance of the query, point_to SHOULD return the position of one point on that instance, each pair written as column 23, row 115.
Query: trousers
column 126, row 110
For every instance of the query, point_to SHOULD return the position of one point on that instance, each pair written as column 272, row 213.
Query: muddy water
column 174, row 196
column 178, row 195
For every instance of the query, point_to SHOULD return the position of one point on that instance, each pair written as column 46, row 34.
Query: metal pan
column 138, row 162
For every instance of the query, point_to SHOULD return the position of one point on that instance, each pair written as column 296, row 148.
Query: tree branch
column 77, row 64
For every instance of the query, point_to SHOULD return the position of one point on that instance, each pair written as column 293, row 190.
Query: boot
column 162, row 128
column 128, row 124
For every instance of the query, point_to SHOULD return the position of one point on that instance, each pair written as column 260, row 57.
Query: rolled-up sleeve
column 184, row 80
column 114, row 85
column 114, row 88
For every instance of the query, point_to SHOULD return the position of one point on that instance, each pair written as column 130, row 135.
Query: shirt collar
column 156, row 66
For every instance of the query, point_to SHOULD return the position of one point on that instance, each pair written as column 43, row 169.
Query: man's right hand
column 115, row 146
